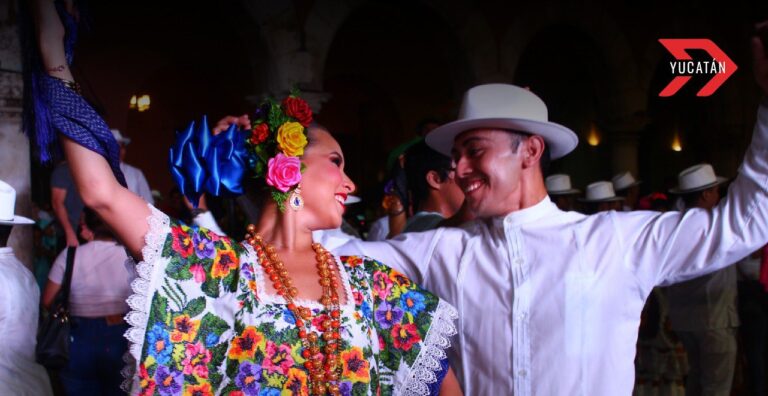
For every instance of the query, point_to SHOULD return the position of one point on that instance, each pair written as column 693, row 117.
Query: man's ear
column 531, row 150
column 433, row 180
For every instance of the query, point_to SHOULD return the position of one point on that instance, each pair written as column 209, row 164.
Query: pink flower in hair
column 283, row 172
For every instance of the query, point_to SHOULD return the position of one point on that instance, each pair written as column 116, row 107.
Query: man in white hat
column 560, row 191
column 628, row 187
column 703, row 310
column 549, row 301
column 600, row 197
column 134, row 177
column 19, row 298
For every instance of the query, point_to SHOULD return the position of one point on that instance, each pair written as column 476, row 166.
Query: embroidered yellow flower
column 184, row 329
column 244, row 346
column 355, row 366
column 291, row 139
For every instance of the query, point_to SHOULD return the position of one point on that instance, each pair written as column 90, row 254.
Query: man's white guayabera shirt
column 549, row 301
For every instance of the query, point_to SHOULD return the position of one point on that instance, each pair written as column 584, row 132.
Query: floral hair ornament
column 203, row 163
column 277, row 140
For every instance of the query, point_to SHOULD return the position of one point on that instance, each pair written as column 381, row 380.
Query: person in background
column 434, row 193
column 600, row 197
column 628, row 187
column 66, row 204
column 99, row 290
column 19, row 294
column 560, row 191
column 133, row 175
column 703, row 310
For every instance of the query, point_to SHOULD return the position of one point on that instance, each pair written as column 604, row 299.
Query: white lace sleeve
column 427, row 365
column 150, row 272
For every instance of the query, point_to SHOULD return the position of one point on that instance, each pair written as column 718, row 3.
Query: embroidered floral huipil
column 203, row 325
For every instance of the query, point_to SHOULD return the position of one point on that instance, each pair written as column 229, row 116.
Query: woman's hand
column 242, row 122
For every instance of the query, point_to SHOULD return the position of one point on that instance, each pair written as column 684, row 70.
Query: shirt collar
column 6, row 251
column 544, row 208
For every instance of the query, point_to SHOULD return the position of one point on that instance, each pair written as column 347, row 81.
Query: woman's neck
column 281, row 229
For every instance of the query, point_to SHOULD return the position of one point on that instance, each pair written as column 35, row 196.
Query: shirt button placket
column 521, row 341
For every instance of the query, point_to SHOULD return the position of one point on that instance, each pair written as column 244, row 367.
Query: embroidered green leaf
column 280, row 197
column 159, row 310
column 178, row 268
column 213, row 324
column 195, row 307
column 211, row 287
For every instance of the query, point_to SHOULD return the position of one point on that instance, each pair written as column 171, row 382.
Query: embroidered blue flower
column 248, row 378
column 269, row 392
column 388, row 315
column 345, row 388
column 412, row 302
column 366, row 310
column 169, row 382
column 288, row 315
column 211, row 339
column 204, row 247
column 159, row 344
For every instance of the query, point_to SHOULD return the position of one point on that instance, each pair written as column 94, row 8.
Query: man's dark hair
column 544, row 161
column 420, row 159
column 691, row 199
column 96, row 224
column 5, row 234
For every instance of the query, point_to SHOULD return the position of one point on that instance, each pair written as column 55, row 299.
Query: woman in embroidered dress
column 275, row 314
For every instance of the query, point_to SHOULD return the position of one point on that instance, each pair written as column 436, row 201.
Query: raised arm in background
column 122, row 210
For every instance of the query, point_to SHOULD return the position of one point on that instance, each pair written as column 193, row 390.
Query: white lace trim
column 427, row 364
column 140, row 301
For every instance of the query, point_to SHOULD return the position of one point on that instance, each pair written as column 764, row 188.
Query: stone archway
column 622, row 105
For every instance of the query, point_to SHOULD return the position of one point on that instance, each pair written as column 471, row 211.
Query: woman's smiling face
column 324, row 185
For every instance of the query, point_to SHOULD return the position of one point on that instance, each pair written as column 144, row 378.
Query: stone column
column 14, row 146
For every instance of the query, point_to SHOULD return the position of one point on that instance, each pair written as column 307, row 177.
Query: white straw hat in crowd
column 560, row 184
column 601, row 191
column 504, row 106
column 7, row 206
column 351, row 199
column 623, row 181
column 697, row 178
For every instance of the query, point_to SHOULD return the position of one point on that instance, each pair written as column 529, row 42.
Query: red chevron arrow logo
column 721, row 66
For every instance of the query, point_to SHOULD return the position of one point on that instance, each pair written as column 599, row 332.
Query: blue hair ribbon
column 203, row 163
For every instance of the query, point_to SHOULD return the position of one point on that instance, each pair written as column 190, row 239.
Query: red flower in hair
column 260, row 134
column 298, row 109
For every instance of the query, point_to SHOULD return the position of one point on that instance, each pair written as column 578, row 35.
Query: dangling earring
column 295, row 201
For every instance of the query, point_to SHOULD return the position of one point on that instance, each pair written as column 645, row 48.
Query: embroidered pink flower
column 283, row 172
column 198, row 272
column 278, row 358
column 382, row 285
column 196, row 359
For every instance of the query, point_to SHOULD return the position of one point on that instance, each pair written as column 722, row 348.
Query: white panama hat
column 601, row 191
column 504, row 106
column 624, row 180
column 351, row 199
column 7, row 206
column 697, row 178
column 560, row 184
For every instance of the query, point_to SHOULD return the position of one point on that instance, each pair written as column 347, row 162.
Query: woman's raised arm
column 123, row 211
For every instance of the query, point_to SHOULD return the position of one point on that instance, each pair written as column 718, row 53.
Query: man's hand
column 242, row 122
column 760, row 58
